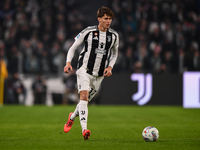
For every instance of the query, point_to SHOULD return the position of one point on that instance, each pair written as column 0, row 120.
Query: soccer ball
column 150, row 134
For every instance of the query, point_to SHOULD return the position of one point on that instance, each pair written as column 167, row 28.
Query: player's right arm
column 68, row 67
column 78, row 41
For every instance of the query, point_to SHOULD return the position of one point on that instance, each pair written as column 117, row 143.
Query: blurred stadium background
column 158, row 60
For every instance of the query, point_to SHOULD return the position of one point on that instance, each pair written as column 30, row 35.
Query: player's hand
column 108, row 72
column 68, row 67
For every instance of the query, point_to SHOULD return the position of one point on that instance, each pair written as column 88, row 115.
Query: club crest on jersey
column 109, row 38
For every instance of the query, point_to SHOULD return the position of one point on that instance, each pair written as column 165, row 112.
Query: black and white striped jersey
column 100, row 49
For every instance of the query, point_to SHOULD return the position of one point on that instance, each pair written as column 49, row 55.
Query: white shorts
column 88, row 82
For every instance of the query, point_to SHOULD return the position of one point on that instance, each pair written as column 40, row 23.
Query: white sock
column 83, row 114
column 75, row 113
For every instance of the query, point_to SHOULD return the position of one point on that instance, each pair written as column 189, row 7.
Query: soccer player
column 95, row 62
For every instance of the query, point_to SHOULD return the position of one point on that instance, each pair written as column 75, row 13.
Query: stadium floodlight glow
column 145, row 89
column 191, row 90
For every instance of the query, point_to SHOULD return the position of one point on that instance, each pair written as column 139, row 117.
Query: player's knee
column 84, row 96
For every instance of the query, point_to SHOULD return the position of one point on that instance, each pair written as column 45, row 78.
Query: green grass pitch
column 112, row 127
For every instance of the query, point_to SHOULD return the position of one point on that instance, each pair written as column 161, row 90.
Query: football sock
column 75, row 113
column 83, row 114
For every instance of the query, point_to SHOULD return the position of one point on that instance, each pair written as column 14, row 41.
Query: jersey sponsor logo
column 101, row 45
column 100, row 51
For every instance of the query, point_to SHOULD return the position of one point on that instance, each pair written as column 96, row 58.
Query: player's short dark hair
column 105, row 10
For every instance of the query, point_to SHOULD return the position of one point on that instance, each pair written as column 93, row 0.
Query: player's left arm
column 113, row 58
column 107, row 71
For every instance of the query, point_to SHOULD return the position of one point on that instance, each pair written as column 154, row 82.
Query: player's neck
column 102, row 28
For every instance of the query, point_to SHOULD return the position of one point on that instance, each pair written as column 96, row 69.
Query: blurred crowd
column 156, row 36
column 35, row 35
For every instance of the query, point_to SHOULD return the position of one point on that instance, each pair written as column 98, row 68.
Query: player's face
column 105, row 21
